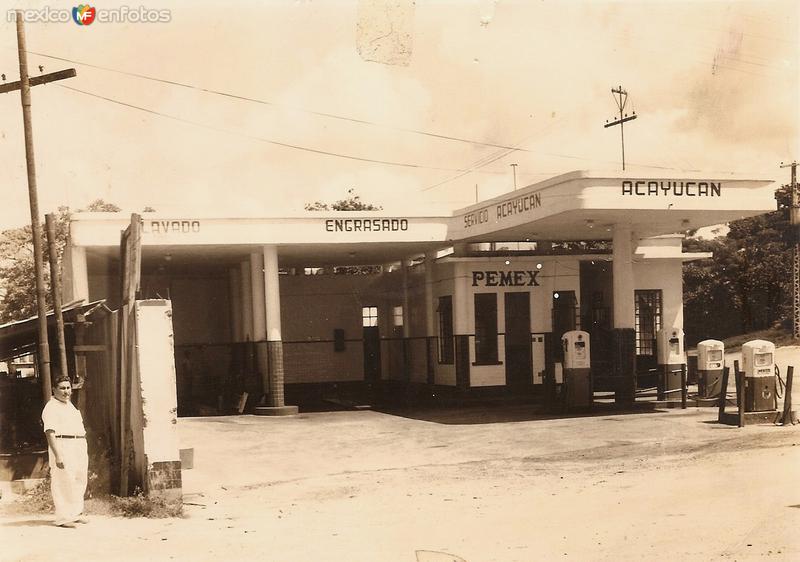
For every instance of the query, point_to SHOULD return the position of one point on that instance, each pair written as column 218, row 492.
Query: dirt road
column 369, row 486
column 483, row 484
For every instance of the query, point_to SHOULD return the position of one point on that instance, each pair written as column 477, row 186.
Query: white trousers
column 68, row 484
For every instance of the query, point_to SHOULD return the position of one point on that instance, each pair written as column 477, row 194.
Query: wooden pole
column 43, row 354
column 55, row 290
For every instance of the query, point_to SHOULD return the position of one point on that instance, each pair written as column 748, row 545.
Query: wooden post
column 723, row 393
column 55, row 290
column 788, row 417
column 739, row 391
column 683, row 386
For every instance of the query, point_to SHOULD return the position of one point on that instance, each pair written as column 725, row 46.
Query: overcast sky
column 365, row 99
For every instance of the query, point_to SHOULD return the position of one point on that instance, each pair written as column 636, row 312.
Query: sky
column 260, row 107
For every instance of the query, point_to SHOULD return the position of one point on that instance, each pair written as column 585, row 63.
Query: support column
column 259, row 318
column 272, row 309
column 247, row 301
column 406, row 324
column 461, row 327
column 623, row 336
column 430, row 322
column 235, row 290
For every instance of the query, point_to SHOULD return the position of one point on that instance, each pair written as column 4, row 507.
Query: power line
column 460, row 171
column 262, row 139
column 271, row 103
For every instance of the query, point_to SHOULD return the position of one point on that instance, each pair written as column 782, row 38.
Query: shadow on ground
column 503, row 413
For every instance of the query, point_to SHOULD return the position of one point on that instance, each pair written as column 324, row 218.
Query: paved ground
column 482, row 484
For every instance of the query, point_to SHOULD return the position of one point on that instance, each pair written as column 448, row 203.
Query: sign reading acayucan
column 672, row 188
column 504, row 209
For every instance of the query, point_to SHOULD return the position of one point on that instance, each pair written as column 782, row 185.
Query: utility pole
column 621, row 97
column 514, row 167
column 24, row 86
column 794, row 216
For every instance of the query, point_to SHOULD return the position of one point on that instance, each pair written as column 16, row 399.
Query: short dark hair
column 63, row 378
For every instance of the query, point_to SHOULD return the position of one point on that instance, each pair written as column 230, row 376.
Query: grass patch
column 140, row 505
column 778, row 336
column 38, row 500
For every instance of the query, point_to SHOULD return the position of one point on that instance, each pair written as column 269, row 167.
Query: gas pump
column 710, row 354
column 577, row 369
column 669, row 344
column 758, row 363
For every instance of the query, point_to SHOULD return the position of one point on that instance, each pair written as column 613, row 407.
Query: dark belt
column 70, row 436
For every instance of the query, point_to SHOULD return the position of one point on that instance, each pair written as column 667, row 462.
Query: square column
column 461, row 327
column 272, row 317
column 247, row 301
column 430, row 321
column 234, row 284
column 259, row 318
column 623, row 336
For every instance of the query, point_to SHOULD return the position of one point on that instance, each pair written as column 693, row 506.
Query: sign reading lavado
column 168, row 226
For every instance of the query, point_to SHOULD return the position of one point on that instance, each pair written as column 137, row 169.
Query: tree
column 17, row 274
column 746, row 286
column 352, row 203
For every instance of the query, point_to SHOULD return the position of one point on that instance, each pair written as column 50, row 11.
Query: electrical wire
column 262, row 139
column 274, row 104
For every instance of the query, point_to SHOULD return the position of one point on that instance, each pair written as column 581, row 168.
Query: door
column 518, row 339
column 372, row 343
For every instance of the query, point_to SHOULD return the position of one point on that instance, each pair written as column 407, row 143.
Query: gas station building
column 473, row 300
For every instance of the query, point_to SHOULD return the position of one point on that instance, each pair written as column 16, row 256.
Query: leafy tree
column 353, row 202
column 17, row 274
column 746, row 286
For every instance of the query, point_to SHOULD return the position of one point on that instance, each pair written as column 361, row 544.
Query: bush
column 140, row 505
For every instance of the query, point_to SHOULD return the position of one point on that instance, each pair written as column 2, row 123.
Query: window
column 648, row 320
column 369, row 316
column 485, row 328
column 397, row 316
column 446, row 344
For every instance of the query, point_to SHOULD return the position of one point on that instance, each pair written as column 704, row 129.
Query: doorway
column 518, row 340
column 372, row 343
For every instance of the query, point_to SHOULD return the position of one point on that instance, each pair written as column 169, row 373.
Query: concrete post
column 247, row 301
column 430, row 321
column 461, row 309
column 622, row 272
column 272, row 310
column 235, row 290
column 623, row 336
column 259, row 318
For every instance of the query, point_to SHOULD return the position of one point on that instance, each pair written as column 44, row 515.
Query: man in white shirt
column 69, row 461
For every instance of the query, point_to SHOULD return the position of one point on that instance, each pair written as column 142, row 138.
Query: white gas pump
column 669, row 347
column 577, row 369
column 710, row 362
column 758, row 363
